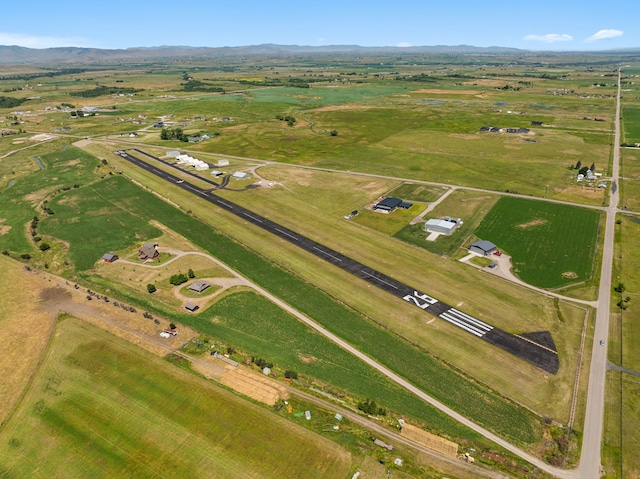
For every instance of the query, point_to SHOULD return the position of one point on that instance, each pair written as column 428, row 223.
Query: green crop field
column 387, row 348
column 631, row 124
column 551, row 245
column 100, row 407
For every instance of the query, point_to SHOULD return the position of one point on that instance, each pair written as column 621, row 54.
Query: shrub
column 151, row 288
column 178, row 279
column 44, row 246
column 25, row 256
column 191, row 274
column 290, row 374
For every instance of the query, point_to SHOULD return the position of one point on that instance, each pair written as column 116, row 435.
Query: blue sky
column 532, row 25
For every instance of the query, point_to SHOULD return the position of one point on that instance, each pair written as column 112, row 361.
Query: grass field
column 622, row 407
column 380, row 344
column 631, row 124
column 470, row 206
column 26, row 324
column 104, row 408
column 551, row 245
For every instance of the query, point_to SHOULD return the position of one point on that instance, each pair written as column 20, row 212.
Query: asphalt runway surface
column 536, row 348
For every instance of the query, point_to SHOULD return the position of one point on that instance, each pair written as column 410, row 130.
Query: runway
column 537, row 348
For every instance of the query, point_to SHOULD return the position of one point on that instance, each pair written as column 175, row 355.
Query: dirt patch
column 429, row 440
column 447, row 92
column 256, row 386
column 342, row 107
column 569, row 274
column 485, row 82
column 4, row 229
column 307, row 359
column 82, row 143
column 532, row 224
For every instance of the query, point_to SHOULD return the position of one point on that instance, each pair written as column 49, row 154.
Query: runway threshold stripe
column 226, row 204
column 467, row 327
column 378, row 279
column 471, row 319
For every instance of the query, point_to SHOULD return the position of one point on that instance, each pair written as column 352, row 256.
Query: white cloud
column 549, row 38
column 403, row 44
column 604, row 34
column 33, row 41
column 322, row 39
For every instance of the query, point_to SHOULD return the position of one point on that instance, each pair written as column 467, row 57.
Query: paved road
column 590, row 462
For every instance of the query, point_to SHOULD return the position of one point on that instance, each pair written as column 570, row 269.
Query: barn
column 483, row 247
column 109, row 258
column 191, row 306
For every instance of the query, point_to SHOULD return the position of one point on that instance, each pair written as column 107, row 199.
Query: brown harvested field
column 26, row 324
column 254, row 385
column 342, row 107
column 429, row 440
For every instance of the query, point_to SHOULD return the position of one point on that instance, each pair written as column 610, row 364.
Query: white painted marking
column 328, row 254
column 471, row 319
column 225, row 203
column 253, row 217
column 285, row 233
column 378, row 279
column 462, row 325
column 431, row 320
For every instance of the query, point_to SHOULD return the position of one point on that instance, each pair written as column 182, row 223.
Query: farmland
column 551, row 245
column 414, row 125
column 174, row 422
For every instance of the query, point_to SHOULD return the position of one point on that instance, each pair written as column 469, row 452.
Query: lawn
column 631, row 124
column 100, row 407
column 551, row 245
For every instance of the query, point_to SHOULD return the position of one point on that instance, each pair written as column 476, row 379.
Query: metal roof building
column 483, row 247
column 198, row 286
column 440, row 226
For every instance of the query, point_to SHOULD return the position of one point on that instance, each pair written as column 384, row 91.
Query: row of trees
column 173, row 134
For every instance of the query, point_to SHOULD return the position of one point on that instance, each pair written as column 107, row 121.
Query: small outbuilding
column 240, row 175
column 222, row 163
column 191, row 306
column 440, row 226
column 483, row 247
column 109, row 258
column 173, row 154
column 198, row 286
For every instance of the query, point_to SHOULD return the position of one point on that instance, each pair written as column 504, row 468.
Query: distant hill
column 74, row 55
column 17, row 55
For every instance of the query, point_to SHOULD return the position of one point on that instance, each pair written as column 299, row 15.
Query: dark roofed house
column 148, row 251
column 191, row 306
column 198, row 286
column 483, row 247
column 387, row 205
column 109, row 258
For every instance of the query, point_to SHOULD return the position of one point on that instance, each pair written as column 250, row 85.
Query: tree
column 191, row 274
column 172, row 326
column 578, row 165
column 177, row 279
column 290, row 374
column 44, row 246
column 333, row 132
column 151, row 288
column 593, row 167
column 583, row 170
column 620, row 288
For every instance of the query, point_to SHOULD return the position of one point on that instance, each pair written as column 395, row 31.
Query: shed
column 483, row 247
column 198, row 286
column 109, row 258
column 240, row 175
column 222, row 163
column 440, row 226
column 191, row 306
column 173, row 153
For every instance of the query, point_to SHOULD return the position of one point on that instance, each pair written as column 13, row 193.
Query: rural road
column 393, row 376
column 590, row 462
